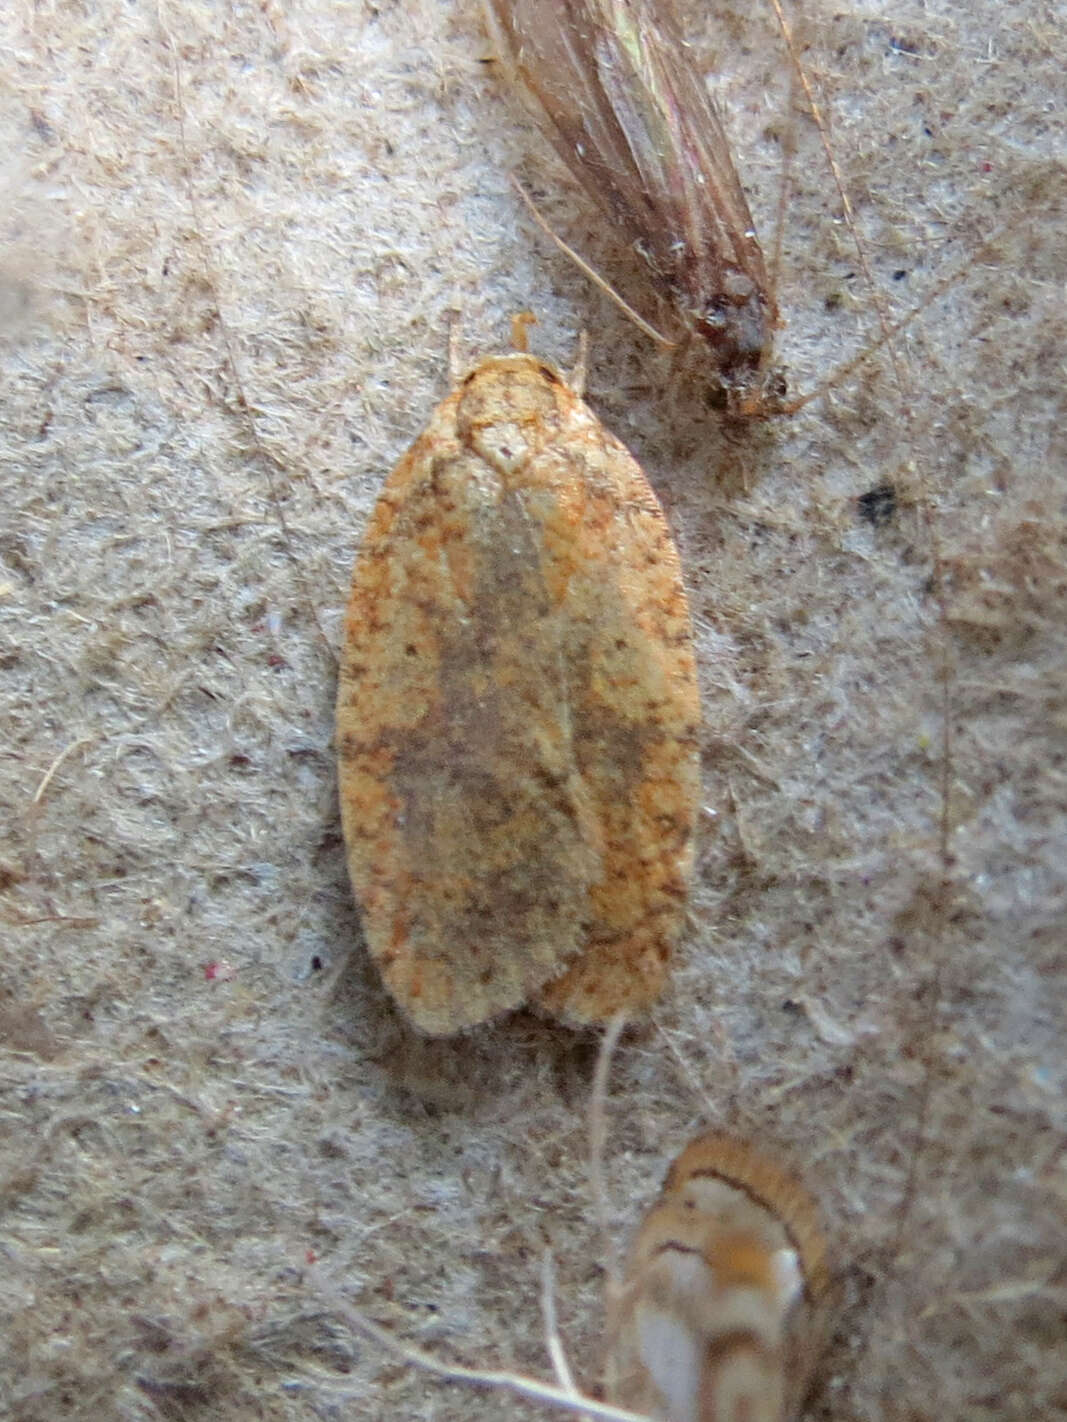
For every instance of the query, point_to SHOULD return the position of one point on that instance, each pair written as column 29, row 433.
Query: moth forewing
column 634, row 122
column 723, row 1304
column 517, row 714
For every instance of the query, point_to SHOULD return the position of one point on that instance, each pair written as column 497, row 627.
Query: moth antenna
column 580, row 372
column 553, row 1342
column 598, row 1133
column 928, row 1014
column 846, row 202
column 456, row 367
column 894, row 328
column 591, row 272
column 784, row 196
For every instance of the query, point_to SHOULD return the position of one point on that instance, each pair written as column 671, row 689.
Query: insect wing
column 636, row 126
column 517, row 714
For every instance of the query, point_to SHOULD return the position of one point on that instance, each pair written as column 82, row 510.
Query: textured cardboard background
column 234, row 239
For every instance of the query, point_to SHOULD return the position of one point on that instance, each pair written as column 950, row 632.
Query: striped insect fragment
column 517, row 714
column 724, row 1301
column 631, row 118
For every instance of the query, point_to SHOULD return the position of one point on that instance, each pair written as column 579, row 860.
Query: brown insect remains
column 636, row 126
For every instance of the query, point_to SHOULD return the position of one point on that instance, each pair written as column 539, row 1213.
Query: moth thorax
column 734, row 322
column 733, row 1209
column 739, row 1286
column 508, row 409
column 504, row 445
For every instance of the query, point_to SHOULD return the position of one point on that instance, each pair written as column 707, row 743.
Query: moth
column 723, row 1304
column 517, row 714
column 625, row 109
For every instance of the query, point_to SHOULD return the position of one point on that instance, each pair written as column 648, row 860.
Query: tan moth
column 722, row 1305
column 721, row 1314
column 517, row 714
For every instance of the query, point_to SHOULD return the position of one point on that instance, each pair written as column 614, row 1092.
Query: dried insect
column 517, row 714
column 636, row 126
column 724, row 1300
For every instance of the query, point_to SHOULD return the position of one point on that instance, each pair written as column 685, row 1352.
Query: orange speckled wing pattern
column 517, row 714
column 724, row 1304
